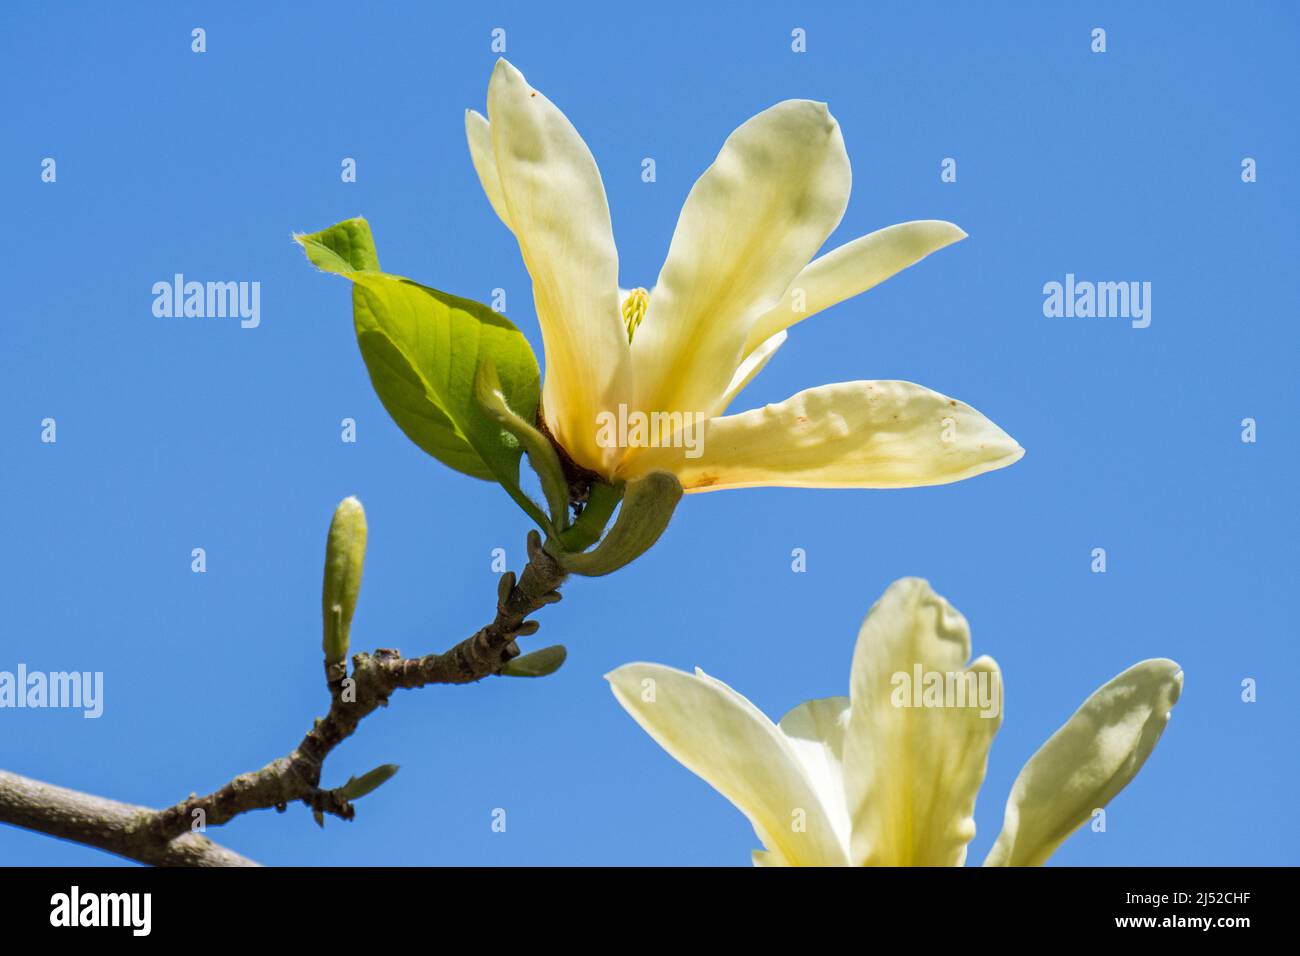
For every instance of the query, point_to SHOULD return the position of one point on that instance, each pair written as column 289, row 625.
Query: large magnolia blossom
column 888, row 775
column 738, row 274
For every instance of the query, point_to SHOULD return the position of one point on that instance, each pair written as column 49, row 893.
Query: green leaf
column 344, row 248
column 537, row 664
column 358, row 787
column 407, row 330
column 423, row 349
column 648, row 506
column 410, row 400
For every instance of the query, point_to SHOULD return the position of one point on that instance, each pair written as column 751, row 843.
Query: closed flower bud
column 345, row 554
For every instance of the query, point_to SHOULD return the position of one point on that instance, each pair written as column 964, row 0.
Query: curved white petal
column 847, row 435
column 478, row 133
column 555, row 203
column 914, row 757
column 1085, row 763
column 851, row 269
column 754, row 363
column 751, row 222
column 816, row 730
column 720, row 736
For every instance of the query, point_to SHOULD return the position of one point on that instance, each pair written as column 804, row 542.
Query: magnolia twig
column 164, row 836
column 120, row 828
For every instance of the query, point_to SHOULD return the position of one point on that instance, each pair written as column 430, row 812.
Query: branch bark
column 120, row 828
column 165, row 837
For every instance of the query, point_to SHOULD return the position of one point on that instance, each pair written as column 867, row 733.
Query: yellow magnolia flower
column 738, row 274
column 888, row 775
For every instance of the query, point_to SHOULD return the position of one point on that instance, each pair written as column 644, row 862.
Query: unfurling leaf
column 358, row 787
column 648, row 505
column 345, row 556
column 537, row 664
column 541, row 453
column 602, row 499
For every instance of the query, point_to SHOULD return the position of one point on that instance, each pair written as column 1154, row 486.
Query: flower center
column 634, row 307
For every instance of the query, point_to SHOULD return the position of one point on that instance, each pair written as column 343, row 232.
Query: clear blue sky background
column 175, row 434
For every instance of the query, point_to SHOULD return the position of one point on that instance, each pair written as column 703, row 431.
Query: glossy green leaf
column 423, row 349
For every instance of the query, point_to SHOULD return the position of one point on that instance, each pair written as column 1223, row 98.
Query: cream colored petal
column 555, row 203
column 754, row 363
column 851, row 269
column 815, row 729
column 847, row 435
column 1085, row 763
column 751, row 222
column 478, row 133
column 914, row 756
column 720, row 736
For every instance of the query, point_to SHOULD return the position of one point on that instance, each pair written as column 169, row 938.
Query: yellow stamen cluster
column 634, row 307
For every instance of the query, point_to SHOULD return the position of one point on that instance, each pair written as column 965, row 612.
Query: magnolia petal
column 1085, row 763
column 478, row 132
column 851, row 269
column 555, row 203
column 815, row 729
column 913, row 763
column 753, row 219
column 847, row 435
column 754, row 363
column 723, row 738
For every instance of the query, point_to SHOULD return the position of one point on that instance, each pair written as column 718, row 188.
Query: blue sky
column 175, row 434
